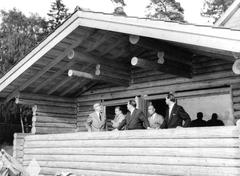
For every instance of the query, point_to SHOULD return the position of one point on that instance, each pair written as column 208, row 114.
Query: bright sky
column 134, row 7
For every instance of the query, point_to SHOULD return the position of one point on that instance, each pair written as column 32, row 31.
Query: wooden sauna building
column 97, row 57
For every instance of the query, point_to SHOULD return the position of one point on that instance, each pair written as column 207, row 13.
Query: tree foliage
column 18, row 35
column 165, row 10
column 119, row 7
column 58, row 13
column 215, row 8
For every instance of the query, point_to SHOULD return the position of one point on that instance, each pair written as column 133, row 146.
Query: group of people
column 199, row 122
column 175, row 117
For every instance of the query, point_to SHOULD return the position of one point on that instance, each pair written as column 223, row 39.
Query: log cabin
column 96, row 57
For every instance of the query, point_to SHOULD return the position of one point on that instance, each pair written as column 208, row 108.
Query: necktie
column 100, row 116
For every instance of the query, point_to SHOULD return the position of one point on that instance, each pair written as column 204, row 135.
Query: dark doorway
column 110, row 114
column 160, row 106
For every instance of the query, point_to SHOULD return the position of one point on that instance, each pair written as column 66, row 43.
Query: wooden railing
column 184, row 151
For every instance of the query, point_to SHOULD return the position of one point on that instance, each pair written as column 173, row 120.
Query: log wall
column 210, row 151
column 51, row 114
column 210, row 76
column 18, row 144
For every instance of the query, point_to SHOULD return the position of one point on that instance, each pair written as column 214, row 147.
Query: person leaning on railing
column 135, row 119
column 175, row 114
column 119, row 117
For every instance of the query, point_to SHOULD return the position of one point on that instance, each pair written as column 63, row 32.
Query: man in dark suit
column 175, row 114
column 135, row 119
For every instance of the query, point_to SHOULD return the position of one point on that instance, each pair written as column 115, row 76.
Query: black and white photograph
column 119, row 87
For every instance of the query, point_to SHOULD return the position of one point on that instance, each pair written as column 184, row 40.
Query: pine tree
column 165, row 10
column 215, row 8
column 58, row 13
column 18, row 35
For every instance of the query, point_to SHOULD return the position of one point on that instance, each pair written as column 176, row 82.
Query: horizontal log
column 236, row 99
column 105, row 67
column 105, row 71
column 20, row 135
column 47, row 119
column 172, row 82
column 46, row 103
column 144, row 168
column 136, row 143
column 59, row 110
column 158, row 45
column 204, row 132
column 236, row 106
column 52, row 114
column 143, row 63
column 48, row 130
column 44, row 97
column 161, row 89
column 178, row 152
column 84, row 108
column 55, row 125
column 80, row 74
column 86, row 57
column 217, row 91
column 161, row 160
column 53, row 171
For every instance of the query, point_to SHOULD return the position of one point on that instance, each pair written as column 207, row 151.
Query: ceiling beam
column 157, row 45
column 113, row 45
column 85, row 57
column 143, row 63
column 74, row 86
column 54, row 76
column 63, row 82
column 102, row 70
column 47, row 67
column 99, row 41
column 100, row 77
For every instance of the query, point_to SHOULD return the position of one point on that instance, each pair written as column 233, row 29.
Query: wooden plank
column 56, row 125
column 88, row 58
column 49, row 119
column 53, row 130
column 161, row 160
column 41, row 102
column 145, row 168
column 161, row 89
column 52, row 171
column 204, row 132
column 133, row 143
column 143, row 63
column 197, row 79
column 51, row 114
column 43, row 97
column 55, row 75
column 84, row 68
column 59, row 85
column 99, row 41
column 178, row 152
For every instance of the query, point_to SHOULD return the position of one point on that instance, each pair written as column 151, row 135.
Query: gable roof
column 206, row 38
